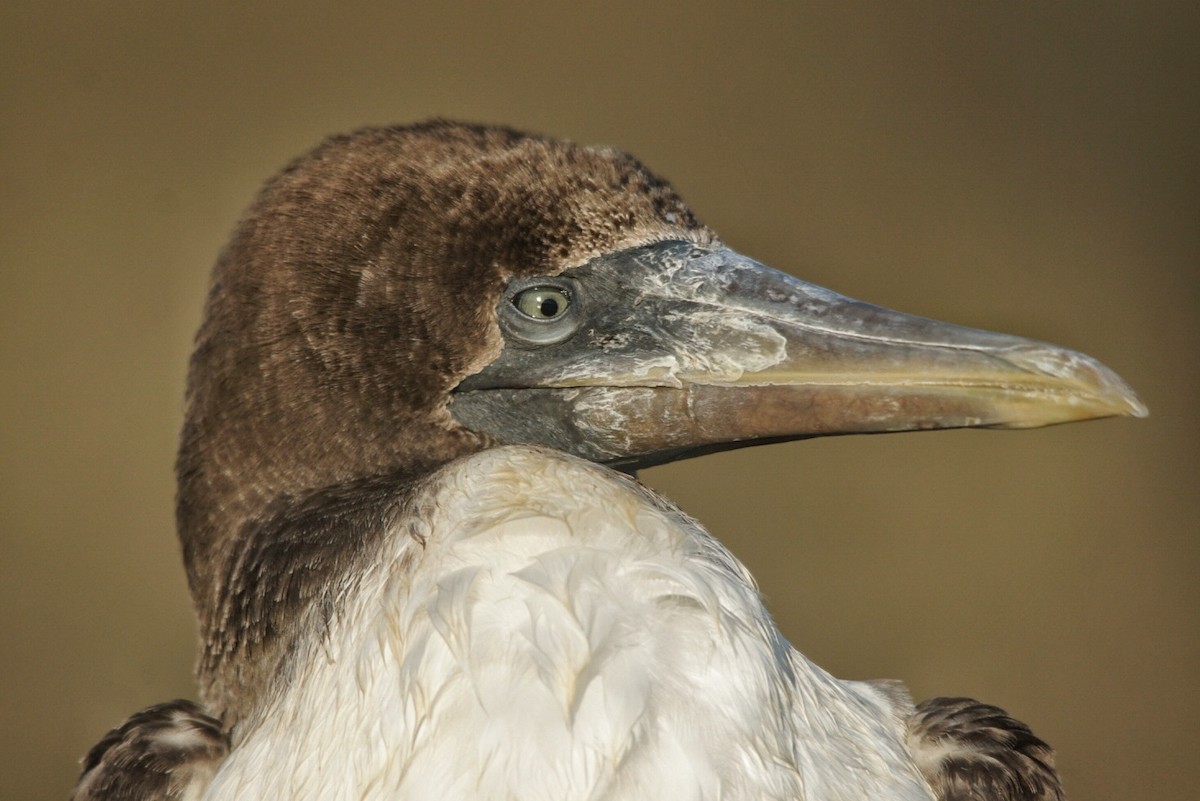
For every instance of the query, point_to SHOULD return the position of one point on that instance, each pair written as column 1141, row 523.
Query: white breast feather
column 562, row 634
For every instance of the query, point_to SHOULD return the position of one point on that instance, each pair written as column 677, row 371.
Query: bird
column 432, row 360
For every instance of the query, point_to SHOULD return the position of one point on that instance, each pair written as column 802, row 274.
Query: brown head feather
column 358, row 290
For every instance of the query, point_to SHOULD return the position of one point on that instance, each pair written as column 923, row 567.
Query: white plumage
column 556, row 631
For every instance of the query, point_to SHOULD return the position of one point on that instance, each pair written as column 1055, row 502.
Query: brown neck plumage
column 358, row 291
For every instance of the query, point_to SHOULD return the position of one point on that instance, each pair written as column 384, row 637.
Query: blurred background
column 1031, row 168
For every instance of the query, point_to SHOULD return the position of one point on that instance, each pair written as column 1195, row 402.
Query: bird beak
column 680, row 351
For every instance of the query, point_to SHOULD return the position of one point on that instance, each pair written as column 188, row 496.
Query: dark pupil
column 549, row 307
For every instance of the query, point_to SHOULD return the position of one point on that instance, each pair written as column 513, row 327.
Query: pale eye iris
column 542, row 302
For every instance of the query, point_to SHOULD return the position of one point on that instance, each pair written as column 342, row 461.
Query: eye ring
column 541, row 310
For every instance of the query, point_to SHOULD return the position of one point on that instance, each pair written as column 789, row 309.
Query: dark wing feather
column 159, row 754
column 970, row 751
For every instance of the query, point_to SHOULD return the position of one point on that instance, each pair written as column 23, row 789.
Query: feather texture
column 561, row 633
column 168, row 752
column 970, row 751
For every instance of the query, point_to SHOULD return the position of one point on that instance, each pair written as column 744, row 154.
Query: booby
column 431, row 361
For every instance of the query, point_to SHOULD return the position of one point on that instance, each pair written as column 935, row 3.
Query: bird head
column 400, row 297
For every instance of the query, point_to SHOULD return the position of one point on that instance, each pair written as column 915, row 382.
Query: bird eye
column 542, row 310
column 542, row 302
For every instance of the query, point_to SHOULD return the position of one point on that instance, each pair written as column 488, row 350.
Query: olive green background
column 1027, row 167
